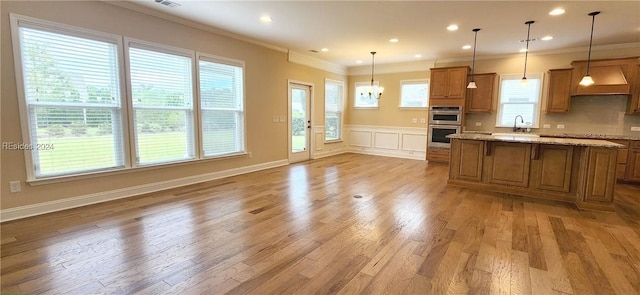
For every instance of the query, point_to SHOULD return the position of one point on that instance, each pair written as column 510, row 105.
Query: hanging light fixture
column 587, row 80
column 472, row 84
column 524, row 81
column 372, row 90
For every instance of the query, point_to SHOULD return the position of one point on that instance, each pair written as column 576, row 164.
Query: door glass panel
column 298, row 120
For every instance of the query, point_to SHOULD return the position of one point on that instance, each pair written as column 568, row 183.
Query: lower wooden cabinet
column 601, row 167
column 471, row 154
column 508, row 164
column 553, row 168
column 438, row 155
column 633, row 166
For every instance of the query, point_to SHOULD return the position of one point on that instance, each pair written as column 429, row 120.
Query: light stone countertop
column 570, row 135
column 539, row 140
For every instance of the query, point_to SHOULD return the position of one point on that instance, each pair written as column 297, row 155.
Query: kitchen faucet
column 515, row 128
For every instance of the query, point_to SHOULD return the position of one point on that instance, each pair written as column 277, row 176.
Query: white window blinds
column 162, row 94
column 222, row 105
column 414, row 94
column 517, row 99
column 333, row 108
column 73, row 100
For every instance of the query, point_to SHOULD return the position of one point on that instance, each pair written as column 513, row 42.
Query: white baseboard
column 324, row 154
column 388, row 153
column 79, row 201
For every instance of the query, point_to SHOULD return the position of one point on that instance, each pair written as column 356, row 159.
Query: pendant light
column 372, row 91
column 524, row 81
column 587, row 80
column 472, row 84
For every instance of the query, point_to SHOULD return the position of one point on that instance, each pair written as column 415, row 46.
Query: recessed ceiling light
column 557, row 11
column 394, row 40
column 418, row 56
column 523, row 50
column 546, row 38
column 466, row 47
column 266, row 19
column 452, row 28
column 324, row 49
column 358, row 61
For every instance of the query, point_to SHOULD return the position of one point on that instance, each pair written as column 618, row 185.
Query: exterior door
column 299, row 122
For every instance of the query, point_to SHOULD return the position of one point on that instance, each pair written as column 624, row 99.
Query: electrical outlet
column 560, row 126
column 423, row 120
column 414, row 120
column 635, row 128
column 250, row 154
column 478, row 124
column 546, row 126
column 14, row 186
column 283, row 119
column 274, row 119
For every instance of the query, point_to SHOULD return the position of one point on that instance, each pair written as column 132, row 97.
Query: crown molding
column 403, row 67
column 314, row 62
column 193, row 24
column 546, row 52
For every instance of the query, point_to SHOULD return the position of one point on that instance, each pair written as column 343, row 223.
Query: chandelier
column 374, row 90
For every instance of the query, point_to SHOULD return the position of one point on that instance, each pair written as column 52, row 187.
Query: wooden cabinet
column 448, row 82
column 559, row 97
column 600, row 175
column 633, row 162
column 611, row 76
column 508, row 164
column 634, row 102
column 470, row 154
column 622, row 159
column 438, row 155
column 552, row 168
column 480, row 100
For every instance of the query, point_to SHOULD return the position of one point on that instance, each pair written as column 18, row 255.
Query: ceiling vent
column 168, row 3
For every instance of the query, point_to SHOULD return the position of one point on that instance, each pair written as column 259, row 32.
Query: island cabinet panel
column 469, row 155
column 553, row 168
column 601, row 173
column 509, row 163
column 633, row 168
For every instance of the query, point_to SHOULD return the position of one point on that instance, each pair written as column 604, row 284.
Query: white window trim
column 122, row 42
column 355, row 97
column 342, row 107
column 413, row 81
column 231, row 62
column 538, row 107
column 17, row 21
column 151, row 46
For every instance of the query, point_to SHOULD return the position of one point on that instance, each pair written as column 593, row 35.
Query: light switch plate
column 414, row 120
column 274, row 119
column 14, row 186
column 560, row 126
column 546, row 126
column 478, row 123
column 283, row 119
column 423, row 120
column 635, row 128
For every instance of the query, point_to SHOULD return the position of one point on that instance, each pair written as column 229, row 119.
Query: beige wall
column 588, row 115
column 388, row 112
column 266, row 73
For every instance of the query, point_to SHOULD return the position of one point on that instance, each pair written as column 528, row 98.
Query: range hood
column 611, row 76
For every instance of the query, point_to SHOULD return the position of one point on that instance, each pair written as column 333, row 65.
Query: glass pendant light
column 587, row 80
column 472, row 84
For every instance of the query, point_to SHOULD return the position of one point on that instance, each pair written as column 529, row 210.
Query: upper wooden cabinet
column 448, row 82
column 634, row 101
column 559, row 97
column 480, row 100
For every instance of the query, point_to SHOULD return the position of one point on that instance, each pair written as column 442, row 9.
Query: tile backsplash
column 588, row 115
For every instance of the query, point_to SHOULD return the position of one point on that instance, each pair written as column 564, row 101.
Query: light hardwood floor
column 299, row 230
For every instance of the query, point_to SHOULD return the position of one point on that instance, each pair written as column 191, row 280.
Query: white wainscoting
column 323, row 149
column 400, row 142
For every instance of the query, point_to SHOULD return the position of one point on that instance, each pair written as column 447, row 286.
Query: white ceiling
column 351, row 29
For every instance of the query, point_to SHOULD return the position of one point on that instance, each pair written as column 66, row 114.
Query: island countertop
column 538, row 140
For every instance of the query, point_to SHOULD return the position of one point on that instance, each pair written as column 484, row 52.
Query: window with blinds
column 162, row 97
column 414, row 93
column 517, row 99
column 333, row 109
column 222, row 106
column 73, row 100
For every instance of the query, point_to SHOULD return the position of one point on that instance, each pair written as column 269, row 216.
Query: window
column 162, row 96
column 362, row 99
column 333, row 108
column 414, row 93
column 72, row 99
column 222, row 104
column 516, row 99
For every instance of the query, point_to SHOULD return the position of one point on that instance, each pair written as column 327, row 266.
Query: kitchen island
column 580, row 171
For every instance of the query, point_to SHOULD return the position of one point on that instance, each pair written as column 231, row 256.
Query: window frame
column 537, row 103
column 356, row 94
column 340, row 112
column 127, row 125
column 20, row 21
column 410, row 82
column 190, row 130
column 227, row 61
